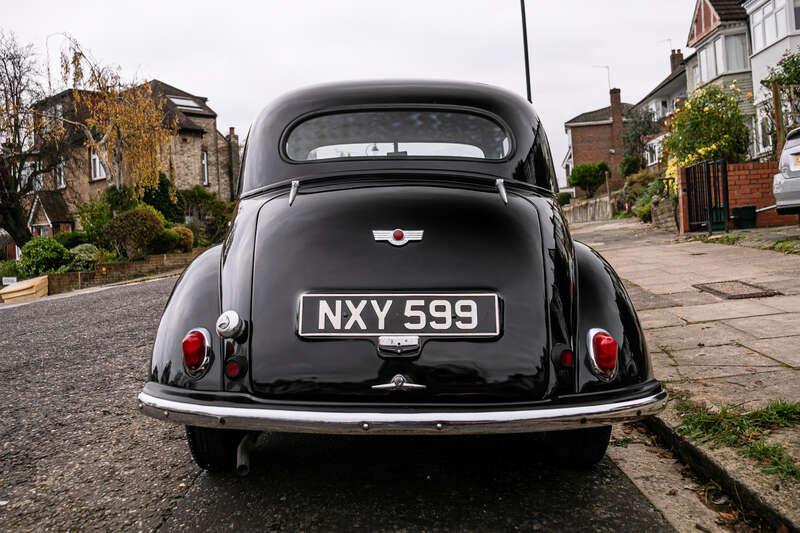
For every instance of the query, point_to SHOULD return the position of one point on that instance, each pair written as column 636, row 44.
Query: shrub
column 206, row 207
column 167, row 241
column 41, row 255
column 155, row 212
column 132, row 231
column 186, row 238
column 165, row 199
column 643, row 207
column 71, row 239
column 120, row 199
column 94, row 217
column 709, row 125
column 84, row 257
column 635, row 185
column 564, row 198
column 630, row 165
column 9, row 269
column 588, row 176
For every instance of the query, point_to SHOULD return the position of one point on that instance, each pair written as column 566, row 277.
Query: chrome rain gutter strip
column 393, row 423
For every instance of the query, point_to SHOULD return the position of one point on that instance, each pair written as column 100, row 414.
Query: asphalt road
column 76, row 455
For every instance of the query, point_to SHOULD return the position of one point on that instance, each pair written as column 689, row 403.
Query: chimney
column 675, row 60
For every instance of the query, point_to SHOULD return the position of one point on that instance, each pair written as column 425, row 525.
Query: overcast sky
column 240, row 55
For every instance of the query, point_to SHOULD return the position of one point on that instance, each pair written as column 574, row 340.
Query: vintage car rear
column 397, row 265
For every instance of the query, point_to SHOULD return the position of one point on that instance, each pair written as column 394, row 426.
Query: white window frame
column 97, row 171
column 769, row 23
column 61, row 183
column 204, row 167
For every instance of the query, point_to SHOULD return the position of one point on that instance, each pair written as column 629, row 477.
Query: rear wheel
column 213, row 449
column 579, row 448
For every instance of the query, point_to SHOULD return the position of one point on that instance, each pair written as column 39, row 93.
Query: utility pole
column 525, row 47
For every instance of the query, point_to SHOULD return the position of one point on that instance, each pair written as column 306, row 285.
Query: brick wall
column 116, row 272
column 748, row 184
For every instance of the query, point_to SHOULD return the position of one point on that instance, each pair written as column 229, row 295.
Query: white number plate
column 425, row 314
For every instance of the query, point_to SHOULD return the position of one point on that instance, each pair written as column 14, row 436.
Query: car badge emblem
column 397, row 237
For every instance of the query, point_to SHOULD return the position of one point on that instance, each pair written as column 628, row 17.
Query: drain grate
column 736, row 290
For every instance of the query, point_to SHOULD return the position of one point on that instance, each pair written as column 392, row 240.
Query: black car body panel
column 306, row 228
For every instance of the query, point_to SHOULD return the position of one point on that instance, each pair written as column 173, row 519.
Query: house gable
column 704, row 21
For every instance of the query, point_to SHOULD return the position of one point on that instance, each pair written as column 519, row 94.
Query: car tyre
column 579, row 448
column 214, row 449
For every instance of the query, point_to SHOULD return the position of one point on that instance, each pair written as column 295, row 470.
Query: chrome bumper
column 388, row 422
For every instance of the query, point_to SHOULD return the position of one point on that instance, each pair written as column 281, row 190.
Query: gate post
column 683, row 208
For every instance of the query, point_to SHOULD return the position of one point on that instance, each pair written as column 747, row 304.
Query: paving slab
column 746, row 391
column 783, row 349
column 724, row 355
column 658, row 318
column 692, row 336
column 768, row 327
column 788, row 304
column 724, row 310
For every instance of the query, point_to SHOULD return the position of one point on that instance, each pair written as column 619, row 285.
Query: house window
column 797, row 14
column 98, row 172
column 769, row 23
column 59, row 173
column 736, row 52
column 204, row 167
column 41, row 230
column 719, row 55
column 708, row 64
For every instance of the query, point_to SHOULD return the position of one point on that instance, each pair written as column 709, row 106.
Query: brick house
column 596, row 136
column 198, row 154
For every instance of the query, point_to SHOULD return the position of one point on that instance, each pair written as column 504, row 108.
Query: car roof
column 267, row 135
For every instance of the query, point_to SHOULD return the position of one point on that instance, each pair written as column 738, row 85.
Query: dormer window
column 184, row 102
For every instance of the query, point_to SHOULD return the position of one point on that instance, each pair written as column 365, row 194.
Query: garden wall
column 748, row 184
column 663, row 215
column 115, row 272
column 590, row 210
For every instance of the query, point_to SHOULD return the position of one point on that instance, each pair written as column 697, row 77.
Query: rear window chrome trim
column 283, row 139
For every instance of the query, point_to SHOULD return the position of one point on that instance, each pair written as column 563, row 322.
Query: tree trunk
column 15, row 223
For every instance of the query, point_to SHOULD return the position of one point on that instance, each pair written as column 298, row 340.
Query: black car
column 397, row 264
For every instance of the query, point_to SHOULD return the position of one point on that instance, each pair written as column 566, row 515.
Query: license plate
column 424, row 314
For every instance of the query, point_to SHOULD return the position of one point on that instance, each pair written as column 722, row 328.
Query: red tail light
column 567, row 358
column 603, row 351
column 233, row 369
column 195, row 350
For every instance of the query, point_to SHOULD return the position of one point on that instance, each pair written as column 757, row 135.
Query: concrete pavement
column 712, row 350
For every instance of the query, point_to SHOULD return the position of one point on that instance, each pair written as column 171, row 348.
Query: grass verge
column 787, row 246
column 727, row 238
column 731, row 427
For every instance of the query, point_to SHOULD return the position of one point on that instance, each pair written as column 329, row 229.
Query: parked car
column 785, row 184
column 398, row 264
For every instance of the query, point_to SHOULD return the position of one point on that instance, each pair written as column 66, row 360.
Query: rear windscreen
column 396, row 133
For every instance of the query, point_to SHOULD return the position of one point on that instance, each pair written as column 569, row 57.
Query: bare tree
column 32, row 144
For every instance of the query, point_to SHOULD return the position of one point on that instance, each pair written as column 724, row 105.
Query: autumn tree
column 126, row 124
column 32, row 145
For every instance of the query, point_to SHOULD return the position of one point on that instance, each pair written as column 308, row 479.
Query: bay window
column 769, row 23
column 736, row 52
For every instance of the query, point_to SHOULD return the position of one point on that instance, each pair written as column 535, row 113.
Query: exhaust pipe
column 247, row 443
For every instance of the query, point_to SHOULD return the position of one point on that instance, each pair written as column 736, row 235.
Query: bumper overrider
column 242, row 411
